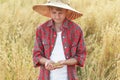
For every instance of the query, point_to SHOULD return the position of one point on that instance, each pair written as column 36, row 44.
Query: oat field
column 101, row 26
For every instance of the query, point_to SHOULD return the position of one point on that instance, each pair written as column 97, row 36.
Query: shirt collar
column 64, row 25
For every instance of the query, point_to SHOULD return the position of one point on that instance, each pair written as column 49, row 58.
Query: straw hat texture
column 44, row 10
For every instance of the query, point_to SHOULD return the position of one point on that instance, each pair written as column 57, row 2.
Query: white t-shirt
column 57, row 55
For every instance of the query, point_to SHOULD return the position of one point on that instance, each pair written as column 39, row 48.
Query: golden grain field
column 101, row 26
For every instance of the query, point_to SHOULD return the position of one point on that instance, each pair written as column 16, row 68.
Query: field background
column 100, row 24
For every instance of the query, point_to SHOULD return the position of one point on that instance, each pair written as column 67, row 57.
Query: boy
column 59, row 43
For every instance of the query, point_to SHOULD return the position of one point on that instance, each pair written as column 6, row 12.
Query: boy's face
column 58, row 14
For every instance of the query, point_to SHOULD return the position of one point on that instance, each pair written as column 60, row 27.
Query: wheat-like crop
column 101, row 26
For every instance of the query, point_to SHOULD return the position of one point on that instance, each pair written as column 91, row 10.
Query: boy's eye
column 54, row 12
column 60, row 12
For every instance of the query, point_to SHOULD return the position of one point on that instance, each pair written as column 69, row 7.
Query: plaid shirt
column 73, row 44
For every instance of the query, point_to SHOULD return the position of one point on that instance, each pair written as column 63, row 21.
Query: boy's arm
column 38, row 49
column 80, row 51
column 71, row 61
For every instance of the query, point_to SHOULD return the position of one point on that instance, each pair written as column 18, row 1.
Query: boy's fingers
column 46, row 63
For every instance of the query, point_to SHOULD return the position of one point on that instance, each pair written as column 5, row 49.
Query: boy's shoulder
column 73, row 25
column 45, row 24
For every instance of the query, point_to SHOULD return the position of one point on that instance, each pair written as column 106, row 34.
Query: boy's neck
column 58, row 27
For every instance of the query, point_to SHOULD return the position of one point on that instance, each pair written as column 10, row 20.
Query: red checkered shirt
column 73, row 45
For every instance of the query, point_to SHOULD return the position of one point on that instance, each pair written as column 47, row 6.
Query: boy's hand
column 49, row 65
column 59, row 64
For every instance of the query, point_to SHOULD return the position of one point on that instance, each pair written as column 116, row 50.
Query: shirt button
column 63, row 36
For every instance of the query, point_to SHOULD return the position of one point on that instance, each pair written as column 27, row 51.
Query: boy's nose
column 57, row 16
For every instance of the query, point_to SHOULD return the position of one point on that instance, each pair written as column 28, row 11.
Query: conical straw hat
column 43, row 9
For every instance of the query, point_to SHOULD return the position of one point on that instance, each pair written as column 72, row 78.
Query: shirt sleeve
column 38, row 49
column 80, row 51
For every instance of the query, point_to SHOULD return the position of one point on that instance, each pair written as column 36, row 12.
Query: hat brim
column 44, row 10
